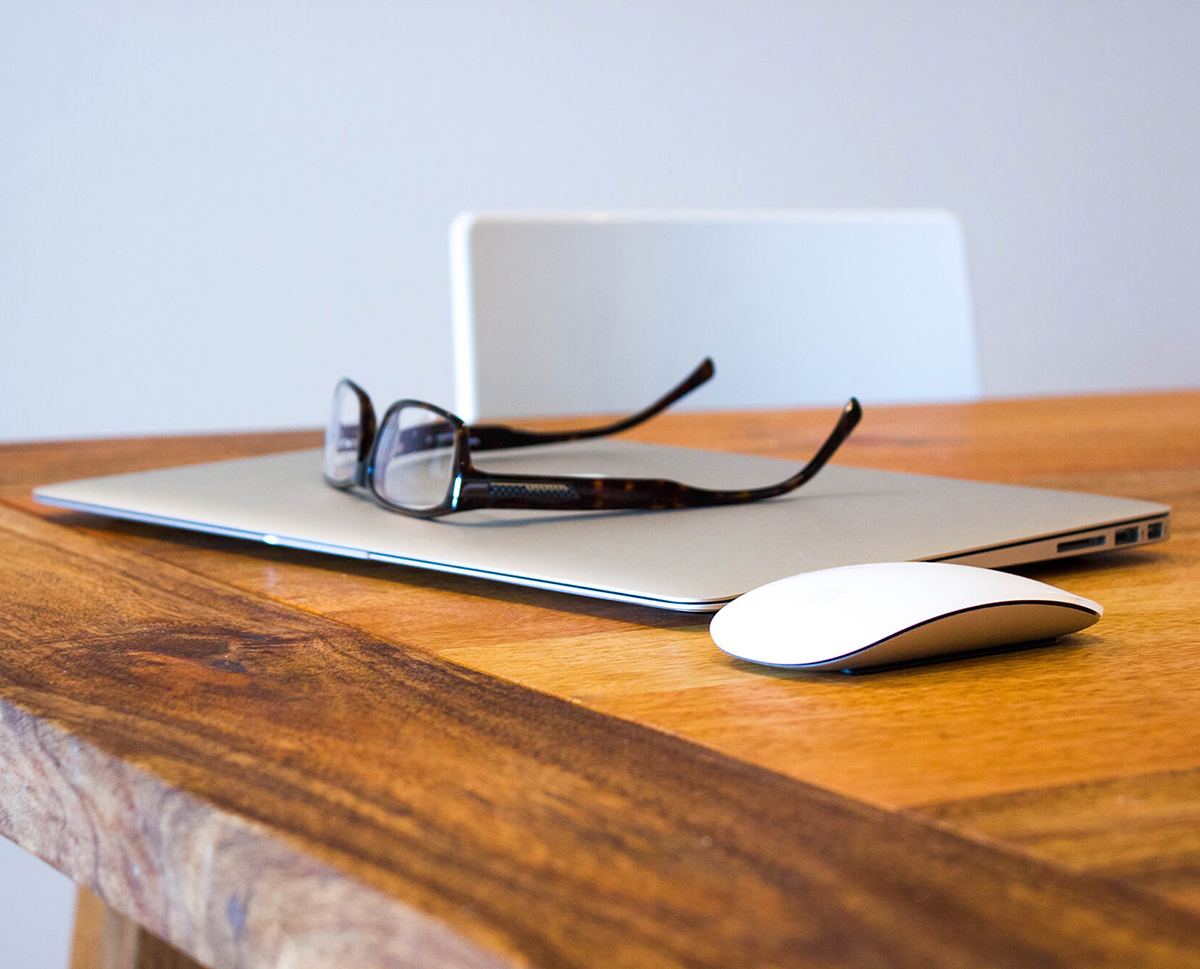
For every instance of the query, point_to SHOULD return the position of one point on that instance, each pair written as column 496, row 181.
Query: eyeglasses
column 419, row 460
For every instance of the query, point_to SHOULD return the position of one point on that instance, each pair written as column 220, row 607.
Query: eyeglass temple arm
column 577, row 492
column 487, row 437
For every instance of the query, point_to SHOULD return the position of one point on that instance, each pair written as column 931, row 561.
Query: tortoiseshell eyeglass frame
column 471, row 487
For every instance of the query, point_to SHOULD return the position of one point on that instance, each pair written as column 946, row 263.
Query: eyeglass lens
column 415, row 458
column 343, row 435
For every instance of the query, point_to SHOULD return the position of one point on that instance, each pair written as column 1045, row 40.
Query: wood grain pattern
column 963, row 729
column 906, row 738
column 549, row 813
column 1140, row 829
column 265, row 743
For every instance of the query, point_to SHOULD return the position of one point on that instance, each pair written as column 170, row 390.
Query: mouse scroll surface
column 894, row 612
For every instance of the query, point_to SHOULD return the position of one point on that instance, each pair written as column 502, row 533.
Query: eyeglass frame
column 471, row 487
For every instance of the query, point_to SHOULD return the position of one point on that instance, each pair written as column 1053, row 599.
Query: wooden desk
column 272, row 758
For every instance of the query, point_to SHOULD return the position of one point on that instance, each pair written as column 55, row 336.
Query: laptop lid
column 691, row 560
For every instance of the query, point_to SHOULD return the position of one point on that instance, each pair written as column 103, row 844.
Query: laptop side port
column 1078, row 544
column 1154, row 531
column 1125, row 536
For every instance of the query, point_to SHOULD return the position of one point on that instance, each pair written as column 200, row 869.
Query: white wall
column 37, row 907
column 209, row 212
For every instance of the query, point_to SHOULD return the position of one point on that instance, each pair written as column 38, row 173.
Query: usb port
column 1078, row 544
column 1154, row 530
column 1124, row 536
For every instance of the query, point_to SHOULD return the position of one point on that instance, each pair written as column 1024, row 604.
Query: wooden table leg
column 106, row 939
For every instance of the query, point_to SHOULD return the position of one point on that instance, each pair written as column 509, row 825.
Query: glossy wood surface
column 477, row 774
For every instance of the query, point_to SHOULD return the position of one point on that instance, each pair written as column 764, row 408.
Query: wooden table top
column 274, row 758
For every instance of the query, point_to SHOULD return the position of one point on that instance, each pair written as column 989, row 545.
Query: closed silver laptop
column 692, row 560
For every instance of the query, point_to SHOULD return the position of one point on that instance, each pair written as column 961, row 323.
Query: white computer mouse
column 860, row 616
